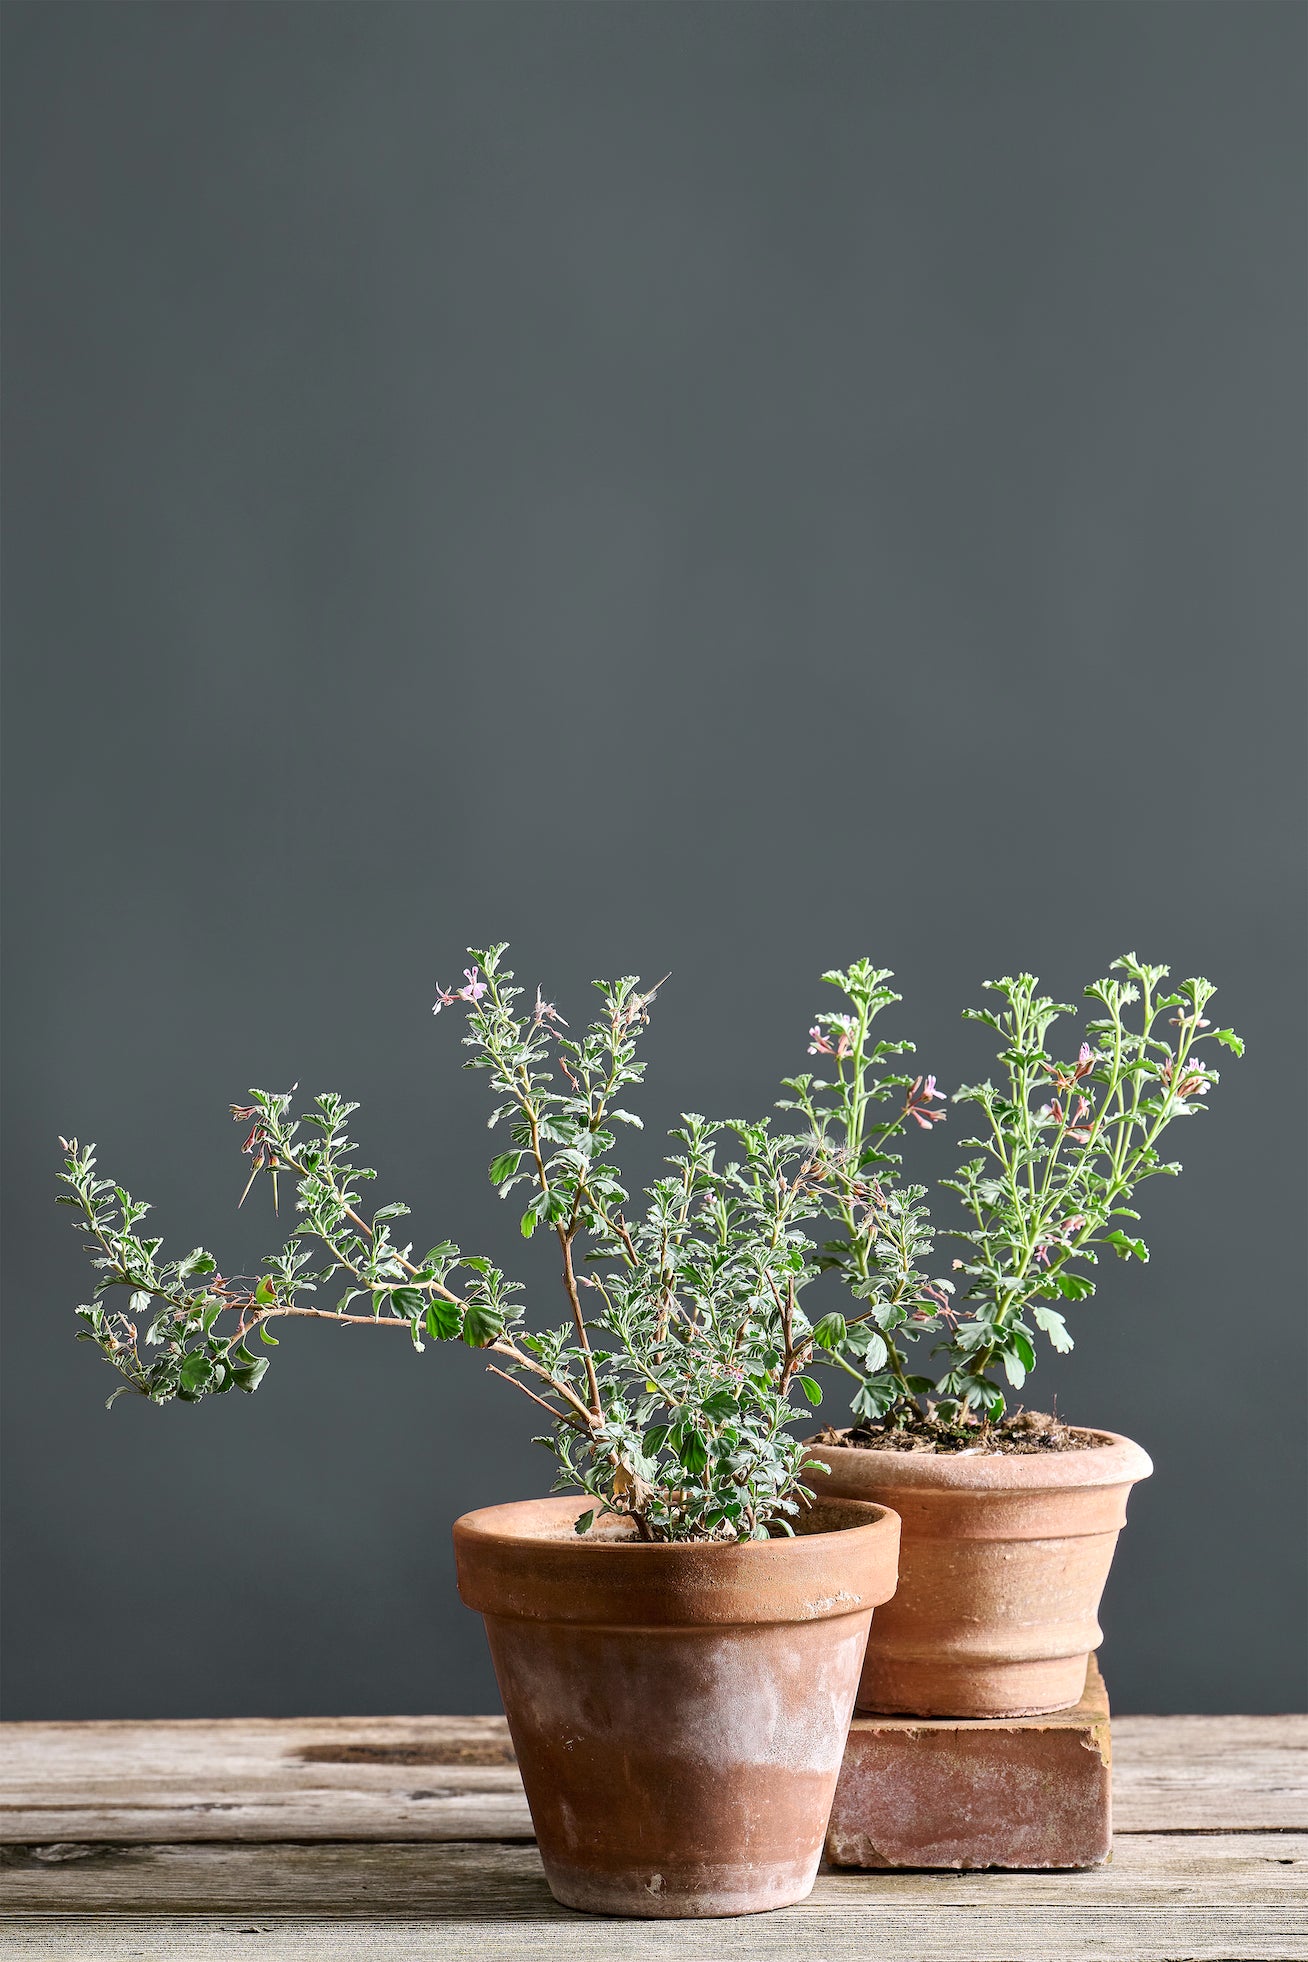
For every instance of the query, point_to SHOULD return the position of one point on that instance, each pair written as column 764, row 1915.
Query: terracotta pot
column 679, row 1713
column 1002, row 1562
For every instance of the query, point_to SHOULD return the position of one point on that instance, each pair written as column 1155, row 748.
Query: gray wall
column 707, row 487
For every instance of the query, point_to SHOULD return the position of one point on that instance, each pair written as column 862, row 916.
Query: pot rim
column 522, row 1559
column 1117, row 1461
column 488, row 1523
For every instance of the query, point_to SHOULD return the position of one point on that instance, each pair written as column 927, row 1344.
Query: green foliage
column 1063, row 1147
column 669, row 1384
column 883, row 1240
column 669, row 1391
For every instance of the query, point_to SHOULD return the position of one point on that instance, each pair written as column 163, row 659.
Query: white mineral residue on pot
column 825, row 1602
column 733, row 1698
column 734, row 1710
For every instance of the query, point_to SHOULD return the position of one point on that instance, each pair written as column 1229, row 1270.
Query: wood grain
column 452, row 1778
column 376, row 1839
column 891, row 1934
column 1195, row 1774
column 494, row 1882
column 1182, row 1898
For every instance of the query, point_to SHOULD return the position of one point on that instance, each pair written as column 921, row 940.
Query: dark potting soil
column 1026, row 1432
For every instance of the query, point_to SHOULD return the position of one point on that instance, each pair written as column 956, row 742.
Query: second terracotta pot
column 679, row 1712
column 1003, row 1559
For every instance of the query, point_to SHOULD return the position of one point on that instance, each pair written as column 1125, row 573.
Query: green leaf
column 830, row 1332
column 1073, row 1287
column 876, row 1352
column 505, row 1166
column 584, row 1521
column 195, row 1371
column 408, row 1302
column 1230, row 1040
column 443, row 1319
column 1021, row 1343
column 264, row 1295
column 1124, row 1246
column 527, row 1224
column 264, row 1336
column 1053, row 1325
column 247, row 1370
column 812, row 1390
column 482, row 1324
column 693, row 1450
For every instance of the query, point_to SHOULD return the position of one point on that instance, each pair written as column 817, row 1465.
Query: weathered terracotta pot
column 1002, row 1563
column 679, row 1713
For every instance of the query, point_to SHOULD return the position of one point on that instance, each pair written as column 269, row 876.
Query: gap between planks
column 452, row 1779
column 876, row 1934
column 492, row 1882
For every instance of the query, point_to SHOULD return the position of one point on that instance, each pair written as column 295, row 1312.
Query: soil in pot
column 1026, row 1433
column 679, row 1712
column 1003, row 1557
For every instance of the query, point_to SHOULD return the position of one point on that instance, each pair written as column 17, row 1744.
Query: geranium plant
column 670, row 1385
column 1063, row 1146
column 671, row 1381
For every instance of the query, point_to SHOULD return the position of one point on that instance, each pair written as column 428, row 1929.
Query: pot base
column 705, row 1892
column 898, row 1687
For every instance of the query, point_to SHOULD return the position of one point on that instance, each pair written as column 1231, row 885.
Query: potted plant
column 678, row 1641
column 1009, row 1523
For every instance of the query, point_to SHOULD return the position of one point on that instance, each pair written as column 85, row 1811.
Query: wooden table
column 409, row 1837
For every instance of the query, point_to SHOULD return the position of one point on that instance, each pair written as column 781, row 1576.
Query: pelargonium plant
column 1063, row 1146
column 670, row 1383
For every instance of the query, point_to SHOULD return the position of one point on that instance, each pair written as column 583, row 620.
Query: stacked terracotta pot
column 1003, row 1559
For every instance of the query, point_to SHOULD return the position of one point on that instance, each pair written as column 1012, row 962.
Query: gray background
column 707, row 487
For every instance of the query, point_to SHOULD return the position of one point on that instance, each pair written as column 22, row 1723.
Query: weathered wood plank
column 452, row 1778
column 383, row 1778
column 499, row 1883
column 884, row 1933
column 1188, row 1774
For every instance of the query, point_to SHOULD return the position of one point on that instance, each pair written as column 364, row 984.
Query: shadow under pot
column 1002, row 1563
column 679, row 1712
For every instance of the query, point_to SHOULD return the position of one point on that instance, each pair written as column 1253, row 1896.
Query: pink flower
column 1192, row 1084
column 1076, row 1128
column 445, row 998
column 475, row 988
column 545, row 1011
column 1085, row 1062
column 916, row 1104
column 818, row 1044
